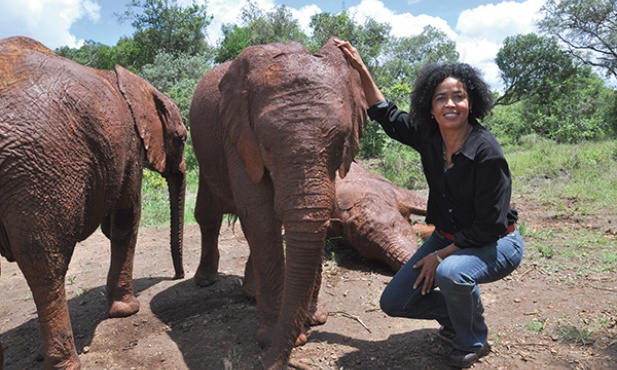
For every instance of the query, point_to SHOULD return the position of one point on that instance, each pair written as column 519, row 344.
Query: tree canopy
column 163, row 25
column 531, row 66
column 550, row 88
column 587, row 28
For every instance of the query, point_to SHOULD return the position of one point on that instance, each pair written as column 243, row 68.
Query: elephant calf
column 372, row 215
column 271, row 128
column 73, row 144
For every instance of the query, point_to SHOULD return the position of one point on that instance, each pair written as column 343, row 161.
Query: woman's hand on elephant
column 371, row 91
column 428, row 266
column 351, row 53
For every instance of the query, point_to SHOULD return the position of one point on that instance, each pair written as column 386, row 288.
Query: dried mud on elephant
column 181, row 326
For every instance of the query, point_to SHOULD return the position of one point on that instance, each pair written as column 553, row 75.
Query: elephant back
column 12, row 49
column 55, row 127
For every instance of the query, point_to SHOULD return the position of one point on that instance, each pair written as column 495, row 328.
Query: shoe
column 464, row 359
column 446, row 333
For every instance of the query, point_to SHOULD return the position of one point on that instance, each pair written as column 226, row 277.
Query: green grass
column 155, row 210
column 563, row 179
column 566, row 178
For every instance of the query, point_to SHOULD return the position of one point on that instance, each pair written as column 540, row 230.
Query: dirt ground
column 547, row 315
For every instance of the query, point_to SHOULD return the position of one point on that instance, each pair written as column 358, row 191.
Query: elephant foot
column 248, row 288
column 205, row 279
column 126, row 307
column 264, row 334
column 317, row 315
column 271, row 364
column 72, row 363
column 302, row 338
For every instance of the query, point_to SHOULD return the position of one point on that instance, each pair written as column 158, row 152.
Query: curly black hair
column 429, row 77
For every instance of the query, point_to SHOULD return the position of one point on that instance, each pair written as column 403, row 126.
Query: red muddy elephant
column 270, row 131
column 73, row 144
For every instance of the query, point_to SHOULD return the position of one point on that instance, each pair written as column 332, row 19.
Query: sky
column 478, row 27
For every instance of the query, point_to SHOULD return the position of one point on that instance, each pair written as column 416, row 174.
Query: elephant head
column 372, row 215
column 159, row 124
column 294, row 119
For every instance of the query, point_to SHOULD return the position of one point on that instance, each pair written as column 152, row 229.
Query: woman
column 470, row 186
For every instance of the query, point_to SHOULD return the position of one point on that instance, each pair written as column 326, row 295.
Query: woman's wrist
column 439, row 259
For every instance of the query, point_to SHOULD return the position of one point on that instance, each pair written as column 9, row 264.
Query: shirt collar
column 470, row 146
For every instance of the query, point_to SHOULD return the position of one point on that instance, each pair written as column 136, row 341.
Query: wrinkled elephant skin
column 372, row 216
column 74, row 141
column 270, row 130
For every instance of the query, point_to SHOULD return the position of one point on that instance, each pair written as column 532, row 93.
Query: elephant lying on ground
column 270, row 129
column 372, row 216
column 74, row 141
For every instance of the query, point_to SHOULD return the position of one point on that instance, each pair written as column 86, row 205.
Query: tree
column 531, row 67
column 92, row 54
column 235, row 39
column 575, row 113
column 165, row 26
column 404, row 56
column 588, row 29
column 259, row 28
column 369, row 38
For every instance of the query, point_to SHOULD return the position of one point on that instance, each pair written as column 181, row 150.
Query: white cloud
column 227, row 12
column 403, row 25
column 304, row 17
column 230, row 12
column 47, row 21
column 479, row 32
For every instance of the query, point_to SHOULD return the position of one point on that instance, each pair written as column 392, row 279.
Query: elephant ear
column 140, row 97
column 348, row 80
column 234, row 112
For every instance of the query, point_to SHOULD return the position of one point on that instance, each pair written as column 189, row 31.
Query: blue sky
column 477, row 26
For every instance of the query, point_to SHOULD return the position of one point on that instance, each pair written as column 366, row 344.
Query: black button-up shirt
column 471, row 200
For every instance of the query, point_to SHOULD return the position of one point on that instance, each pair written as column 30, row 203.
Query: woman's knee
column 389, row 304
column 450, row 278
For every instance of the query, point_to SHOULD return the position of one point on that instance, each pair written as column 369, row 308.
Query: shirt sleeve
column 395, row 122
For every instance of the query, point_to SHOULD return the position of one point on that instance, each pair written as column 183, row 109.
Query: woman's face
column 450, row 104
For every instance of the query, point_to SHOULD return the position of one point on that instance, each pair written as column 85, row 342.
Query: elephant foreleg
column 317, row 313
column 268, row 267
column 123, row 235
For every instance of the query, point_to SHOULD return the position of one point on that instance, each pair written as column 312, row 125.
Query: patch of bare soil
column 544, row 316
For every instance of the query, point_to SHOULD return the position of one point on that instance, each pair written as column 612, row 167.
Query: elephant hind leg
column 45, row 277
column 123, row 235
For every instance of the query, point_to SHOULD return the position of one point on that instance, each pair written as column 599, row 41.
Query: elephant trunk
column 305, row 217
column 177, row 185
column 398, row 251
column 387, row 237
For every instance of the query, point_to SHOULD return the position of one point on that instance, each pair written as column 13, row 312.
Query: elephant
column 271, row 128
column 74, row 141
column 372, row 215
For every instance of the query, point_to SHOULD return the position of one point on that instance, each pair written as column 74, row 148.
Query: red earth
column 549, row 314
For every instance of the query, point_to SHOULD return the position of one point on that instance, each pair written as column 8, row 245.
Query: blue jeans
column 456, row 304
